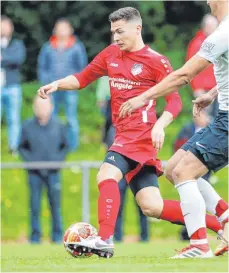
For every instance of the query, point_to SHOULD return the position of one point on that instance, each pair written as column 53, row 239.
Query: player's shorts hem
column 210, row 144
column 138, row 176
column 199, row 155
column 149, row 162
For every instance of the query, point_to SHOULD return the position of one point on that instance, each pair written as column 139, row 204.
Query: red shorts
column 138, row 149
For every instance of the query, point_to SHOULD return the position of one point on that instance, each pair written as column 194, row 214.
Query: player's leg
column 210, row 145
column 113, row 169
column 109, row 199
column 145, row 189
column 172, row 162
column 214, row 203
column 108, row 207
column 193, row 206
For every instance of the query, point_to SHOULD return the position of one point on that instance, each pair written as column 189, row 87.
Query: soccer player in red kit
column 132, row 67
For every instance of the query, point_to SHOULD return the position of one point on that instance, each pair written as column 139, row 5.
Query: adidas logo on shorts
column 111, row 158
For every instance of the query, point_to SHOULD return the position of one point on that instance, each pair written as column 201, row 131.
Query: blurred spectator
column 35, row 145
column 12, row 57
column 104, row 103
column 63, row 55
column 205, row 80
column 184, row 135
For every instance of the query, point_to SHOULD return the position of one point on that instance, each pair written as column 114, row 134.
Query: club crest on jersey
column 136, row 69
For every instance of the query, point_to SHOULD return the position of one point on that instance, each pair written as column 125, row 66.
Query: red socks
column 221, row 207
column 172, row 212
column 201, row 233
column 108, row 207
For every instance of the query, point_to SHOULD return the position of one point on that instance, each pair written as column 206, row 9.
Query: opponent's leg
column 214, row 203
column 193, row 206
column 145, row 188
column 172, row 162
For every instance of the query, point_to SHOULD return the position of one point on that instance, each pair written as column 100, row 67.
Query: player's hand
column 46, row 90
column 129, row 106
column 158, row 136
column 200, row 103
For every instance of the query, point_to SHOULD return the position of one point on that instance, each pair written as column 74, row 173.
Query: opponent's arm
column 203, row 101
column 173, row 81
column 212, row 48
column 178, row 78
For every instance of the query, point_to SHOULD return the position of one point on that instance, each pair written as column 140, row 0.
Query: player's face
column 125, row 34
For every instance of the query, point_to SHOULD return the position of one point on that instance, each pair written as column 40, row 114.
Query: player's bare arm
column 175, row 80
column 157, row 133
column 67, row 83
column 203, row 101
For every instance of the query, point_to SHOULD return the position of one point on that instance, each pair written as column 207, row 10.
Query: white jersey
column 215, row 50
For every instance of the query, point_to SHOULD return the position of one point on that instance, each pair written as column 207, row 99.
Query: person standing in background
column 35, row 146
column 62, row 55
column 13, row 55
column 204, row 81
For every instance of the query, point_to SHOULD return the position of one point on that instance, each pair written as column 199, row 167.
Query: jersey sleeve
column 214, row 45
column 173, row 101
column 94, row 70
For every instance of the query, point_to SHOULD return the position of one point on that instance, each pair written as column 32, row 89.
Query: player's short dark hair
column 127, row 14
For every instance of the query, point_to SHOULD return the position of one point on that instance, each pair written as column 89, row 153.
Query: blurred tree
column 166, row 24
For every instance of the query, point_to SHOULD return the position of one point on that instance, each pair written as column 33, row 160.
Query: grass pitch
column 132, row 257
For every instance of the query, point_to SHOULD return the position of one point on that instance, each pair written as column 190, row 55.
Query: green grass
column 132, row 257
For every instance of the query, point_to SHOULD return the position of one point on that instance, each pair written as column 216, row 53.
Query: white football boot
column 95, row 245
column 193, row 252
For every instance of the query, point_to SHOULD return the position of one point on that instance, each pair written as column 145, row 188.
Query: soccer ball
column 74, row 234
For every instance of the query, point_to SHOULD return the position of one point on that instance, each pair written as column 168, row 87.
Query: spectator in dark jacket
column 205, row 80
column 63, row 55
column 35, row 145
column 12, row 57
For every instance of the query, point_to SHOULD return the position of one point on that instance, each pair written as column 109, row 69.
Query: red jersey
column 130, row 74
